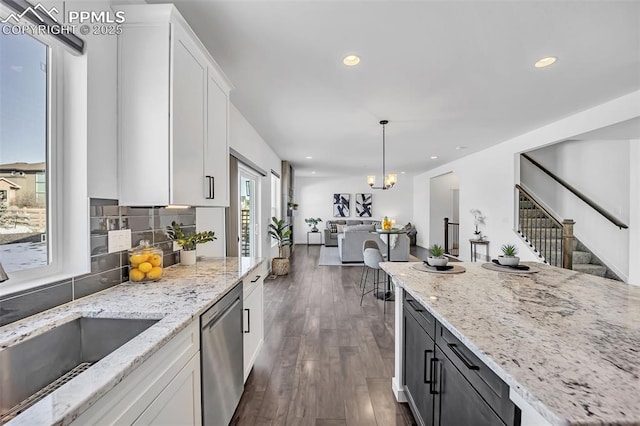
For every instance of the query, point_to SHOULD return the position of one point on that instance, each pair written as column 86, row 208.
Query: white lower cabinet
column 253, row 320
column 165, row 389
column 176, row 404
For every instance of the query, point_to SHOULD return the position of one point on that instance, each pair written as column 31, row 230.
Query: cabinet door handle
column 211, row 187
column 412, row 304
column 434, row 379
column 427, row 376
column 248, row 330
column 256, row 279
column 208, row 178
column 464, row 359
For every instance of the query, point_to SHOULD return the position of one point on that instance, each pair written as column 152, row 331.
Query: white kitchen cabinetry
column 164, row 388
column 173, row 113
column 253, row 319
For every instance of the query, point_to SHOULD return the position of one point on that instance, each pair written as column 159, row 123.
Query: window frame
column 67, row 201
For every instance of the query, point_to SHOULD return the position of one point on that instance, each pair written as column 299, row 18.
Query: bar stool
column 365, row 245
column 372, row 259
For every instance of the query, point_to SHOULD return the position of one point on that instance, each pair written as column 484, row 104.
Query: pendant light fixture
column 388, row 180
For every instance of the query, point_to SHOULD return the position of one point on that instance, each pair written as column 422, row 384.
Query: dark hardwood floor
column 326, row 360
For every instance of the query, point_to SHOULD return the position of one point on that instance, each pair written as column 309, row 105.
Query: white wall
column 246, row 141
column 441, row 205
column 315, row 197
column 600, row 170
column 487, row 178
column 634, row 211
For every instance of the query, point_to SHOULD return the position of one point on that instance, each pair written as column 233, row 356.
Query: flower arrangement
column 478, row 219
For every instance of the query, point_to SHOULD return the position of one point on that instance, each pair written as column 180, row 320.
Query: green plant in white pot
column 508, row 256
column 279, row 231
column 437, row 257
column 188, row 242
column 311, row 221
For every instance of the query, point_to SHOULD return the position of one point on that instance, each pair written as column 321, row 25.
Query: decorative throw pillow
column 333, row 227
column 340, row 228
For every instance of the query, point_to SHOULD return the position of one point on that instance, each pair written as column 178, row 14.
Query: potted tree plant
column 188, row 242
column 313, row 221
column 508, row 257
column 437, row 257
column 279, row 231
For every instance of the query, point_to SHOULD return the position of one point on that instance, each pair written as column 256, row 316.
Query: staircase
column 544, row 234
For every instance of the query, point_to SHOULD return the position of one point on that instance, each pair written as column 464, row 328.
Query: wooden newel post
column 567, row 243
column 446, row 235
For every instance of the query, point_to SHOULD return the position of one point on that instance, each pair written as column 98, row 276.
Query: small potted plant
column 313, row 221
column 508, row 257
column 279, row 232
column 188, row 242
column 478, row 219
column 437, row 257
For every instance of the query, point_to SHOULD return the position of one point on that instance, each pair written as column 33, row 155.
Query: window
column 25, row 99
column 275, row 201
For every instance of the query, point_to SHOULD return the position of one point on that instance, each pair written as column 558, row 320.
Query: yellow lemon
column 133, row 265
column 155, row 260
column 136, row 275
column 154, row 273
column 145, row 267
column 138, row 258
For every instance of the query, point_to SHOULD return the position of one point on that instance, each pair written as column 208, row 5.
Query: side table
column 314, row 233
column 474, row 248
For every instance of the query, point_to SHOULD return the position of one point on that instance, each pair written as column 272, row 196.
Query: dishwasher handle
column 221, row 307
column 221, row 315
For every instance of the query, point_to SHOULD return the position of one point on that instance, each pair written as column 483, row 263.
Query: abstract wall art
column 341, row 205
column 363, row 205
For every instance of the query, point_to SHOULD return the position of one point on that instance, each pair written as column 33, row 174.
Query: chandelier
column 388, row 180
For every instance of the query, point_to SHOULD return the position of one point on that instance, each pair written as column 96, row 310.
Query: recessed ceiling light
column 545, row 62
column 308, row 157
column 461, row 147
column 434, row 157
column 313, row 173
column 402, row 173
column 351, row 60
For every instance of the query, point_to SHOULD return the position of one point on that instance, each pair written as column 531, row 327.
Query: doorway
column 444, row 202
column 248, row 220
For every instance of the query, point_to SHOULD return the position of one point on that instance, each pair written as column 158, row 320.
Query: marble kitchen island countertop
column 566, row 342
column 178, row 299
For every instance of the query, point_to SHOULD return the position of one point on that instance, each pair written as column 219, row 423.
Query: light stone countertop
column 566, row 342
column 178, row 299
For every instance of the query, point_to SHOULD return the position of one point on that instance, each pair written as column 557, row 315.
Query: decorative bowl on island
column 508, row 260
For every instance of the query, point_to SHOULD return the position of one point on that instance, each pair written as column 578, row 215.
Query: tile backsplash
column 107, row 269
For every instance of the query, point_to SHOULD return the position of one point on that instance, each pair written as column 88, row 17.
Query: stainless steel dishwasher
column 221, row 358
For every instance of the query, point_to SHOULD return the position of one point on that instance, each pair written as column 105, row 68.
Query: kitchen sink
column 37, row 366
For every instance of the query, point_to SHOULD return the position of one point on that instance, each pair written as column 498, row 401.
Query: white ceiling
column 444, row 73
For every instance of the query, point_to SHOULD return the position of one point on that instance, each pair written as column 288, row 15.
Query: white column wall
column 634, row 212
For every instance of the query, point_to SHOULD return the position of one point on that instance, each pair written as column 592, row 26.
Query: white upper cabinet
column 173, row 113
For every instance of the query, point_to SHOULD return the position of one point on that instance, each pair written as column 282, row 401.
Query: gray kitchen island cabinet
column 440, row 374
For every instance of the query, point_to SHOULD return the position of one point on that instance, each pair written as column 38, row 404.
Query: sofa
column 351, row 240
column 331, row 229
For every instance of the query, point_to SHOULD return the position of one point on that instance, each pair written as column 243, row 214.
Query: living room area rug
column 329, row 256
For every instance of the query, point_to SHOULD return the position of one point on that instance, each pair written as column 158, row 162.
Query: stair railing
column 611, row 218
column 451, row 237
column 552, row 239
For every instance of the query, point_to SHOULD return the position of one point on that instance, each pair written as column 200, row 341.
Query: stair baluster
column 550, row 238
